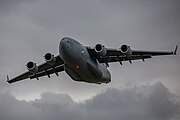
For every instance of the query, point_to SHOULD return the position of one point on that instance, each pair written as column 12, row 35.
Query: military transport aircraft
column 83, row 63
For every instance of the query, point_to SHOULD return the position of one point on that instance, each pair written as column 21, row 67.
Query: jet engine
column 32, row 67
column 100, row 50
column 126, row 50
column 50, row 59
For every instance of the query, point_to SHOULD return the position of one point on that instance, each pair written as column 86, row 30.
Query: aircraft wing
column 43, row 70
column 119, row 55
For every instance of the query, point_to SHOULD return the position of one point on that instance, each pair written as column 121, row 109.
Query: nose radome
column 63, row 42
column 65, row 38
column 63, row 46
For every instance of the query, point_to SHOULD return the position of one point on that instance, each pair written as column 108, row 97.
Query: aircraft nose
column 63, row 46
column 63, row 41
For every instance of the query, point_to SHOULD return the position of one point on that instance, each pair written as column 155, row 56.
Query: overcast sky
column 150, row 90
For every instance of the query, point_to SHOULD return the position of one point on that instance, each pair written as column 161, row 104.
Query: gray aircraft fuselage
column 79, row 65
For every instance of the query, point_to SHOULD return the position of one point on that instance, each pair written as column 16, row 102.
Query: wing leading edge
column 43, row 70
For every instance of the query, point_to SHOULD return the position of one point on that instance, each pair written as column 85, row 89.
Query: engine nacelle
column 100, row 50
column 32, row 67
column 50, row 59
column 126, row 50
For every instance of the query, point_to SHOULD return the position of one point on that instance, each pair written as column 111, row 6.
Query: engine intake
column 50, row 59
column 100, row 50
column 32, row 67
column 126, row 50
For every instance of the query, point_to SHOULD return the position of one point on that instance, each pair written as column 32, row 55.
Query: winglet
column 175, row 51
column 8, row 79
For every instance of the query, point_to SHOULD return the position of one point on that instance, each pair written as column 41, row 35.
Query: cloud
column 12, row 109
column 145, row 102
column 9, row 5
column 148, row 102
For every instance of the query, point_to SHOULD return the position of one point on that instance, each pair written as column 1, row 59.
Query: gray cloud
column 7, row 6
column 148, row 102
column 151, row 103
column 12, row 109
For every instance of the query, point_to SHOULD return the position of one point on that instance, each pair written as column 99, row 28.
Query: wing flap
column 152, row 53
column 123, row 58
column 48, row 72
